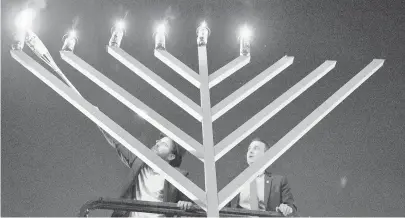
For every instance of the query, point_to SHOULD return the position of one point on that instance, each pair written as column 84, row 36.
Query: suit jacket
column 276, row 192
column 170, row 193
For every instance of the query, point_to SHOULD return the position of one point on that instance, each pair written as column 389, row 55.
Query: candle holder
column 117, row 32
column 69, row 41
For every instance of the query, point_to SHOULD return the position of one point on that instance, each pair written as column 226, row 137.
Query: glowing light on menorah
column 23, row 23
column 245, row 36
column 69, row 40
column 202, row 34
column 117, row 31
column 210, row 200
column 160, row 36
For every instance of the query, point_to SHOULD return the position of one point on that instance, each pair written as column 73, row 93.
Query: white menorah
column 210, row 200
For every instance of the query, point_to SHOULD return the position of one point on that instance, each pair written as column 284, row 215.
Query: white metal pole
column 227, row 70
column 208, row 137
column 178, row 66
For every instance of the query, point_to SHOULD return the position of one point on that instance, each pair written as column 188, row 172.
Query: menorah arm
column 249, row 174
column 178, row 66
column 158, row 121
column 272, row 109
column 243, row 92
column 161, row 85
column 140, row 150
column 227, row 70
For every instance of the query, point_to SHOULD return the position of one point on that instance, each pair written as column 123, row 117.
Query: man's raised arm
column 126, row 156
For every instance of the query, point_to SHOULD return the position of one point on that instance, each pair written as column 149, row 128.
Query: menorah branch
column 158, row 83
column 272, row 109
column 178, row 66
column 227, row 70
column 243, row 92
column 248, row 175
column 165, row 126
column 140, row 150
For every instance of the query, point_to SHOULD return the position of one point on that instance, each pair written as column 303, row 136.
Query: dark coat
column 170, row 193
column 276, row 192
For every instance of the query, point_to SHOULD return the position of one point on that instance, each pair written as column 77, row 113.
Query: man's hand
column 185, row 205
column 284, row 209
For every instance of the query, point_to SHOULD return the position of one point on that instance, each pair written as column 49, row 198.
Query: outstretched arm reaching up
column 126, row 156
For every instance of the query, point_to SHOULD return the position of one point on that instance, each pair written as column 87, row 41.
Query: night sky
column 54, row 159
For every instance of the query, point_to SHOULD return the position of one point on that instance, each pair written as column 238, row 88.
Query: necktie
column 254, row 203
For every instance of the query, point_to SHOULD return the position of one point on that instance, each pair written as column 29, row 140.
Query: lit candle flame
column 245, row 32
column 24, row 19
column 203, row 24
column 72, row 34
column 161, row 29
column 120, row 24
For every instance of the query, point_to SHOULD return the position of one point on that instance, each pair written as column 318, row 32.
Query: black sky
column 54, row 158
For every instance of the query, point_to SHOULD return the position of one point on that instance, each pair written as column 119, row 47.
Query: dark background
column 54, row 158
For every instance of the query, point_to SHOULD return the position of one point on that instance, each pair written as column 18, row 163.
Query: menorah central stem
column 208, row 137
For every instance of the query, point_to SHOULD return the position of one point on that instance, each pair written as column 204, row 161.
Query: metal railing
column 169, row 209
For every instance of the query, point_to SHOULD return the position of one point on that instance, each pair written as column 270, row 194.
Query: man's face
column 255, row 151
column 164, row 148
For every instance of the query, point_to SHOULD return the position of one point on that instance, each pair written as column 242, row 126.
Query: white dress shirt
column 151, row 189
column 244, row 200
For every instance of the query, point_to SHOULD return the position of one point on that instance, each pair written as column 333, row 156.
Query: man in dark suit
column 268, row 192
column 145, row 183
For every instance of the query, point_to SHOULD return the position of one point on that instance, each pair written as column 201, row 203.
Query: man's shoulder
column 277, row 177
